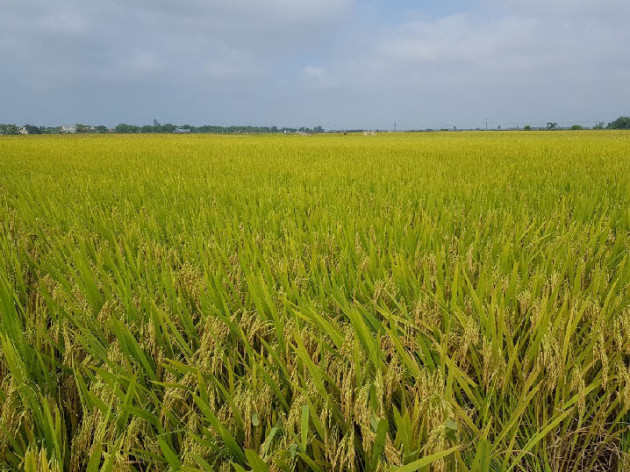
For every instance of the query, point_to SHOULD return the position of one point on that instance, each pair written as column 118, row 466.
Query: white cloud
column 287, row 10
column 611, row 11
column 516, row 68
column 145, row 62
column 68, row 22
column 185, row 42
column 231, row 71
column 310, row 61
column 267, row 11
column 318, row 77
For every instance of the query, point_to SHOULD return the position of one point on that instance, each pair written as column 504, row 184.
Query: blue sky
column 335, row 63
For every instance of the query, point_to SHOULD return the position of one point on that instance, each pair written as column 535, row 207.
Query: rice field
column 434, row 302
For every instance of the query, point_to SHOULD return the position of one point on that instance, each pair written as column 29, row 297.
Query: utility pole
column 394, row 126
column 486, row 123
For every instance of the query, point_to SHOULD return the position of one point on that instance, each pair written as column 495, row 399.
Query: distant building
column 23, row 130
column 181, row 131
column 70, row 129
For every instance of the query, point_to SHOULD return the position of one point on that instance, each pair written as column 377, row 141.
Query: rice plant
column 434, row 302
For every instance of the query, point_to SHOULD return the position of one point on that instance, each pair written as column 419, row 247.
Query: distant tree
column 576, row 127
column 9, row 129
column 527, row 128
column 552, row 125
column 125, row 128
column 599, row 125
column 81, row 128
column 50, row 129
column 101, row 129
column 623, row 122
column 32, row 129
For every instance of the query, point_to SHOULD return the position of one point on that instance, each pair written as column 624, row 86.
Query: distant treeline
column 170, row 128
column 156, row 127
column 623, row 122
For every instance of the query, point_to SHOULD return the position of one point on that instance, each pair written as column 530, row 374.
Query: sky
column 332, row 63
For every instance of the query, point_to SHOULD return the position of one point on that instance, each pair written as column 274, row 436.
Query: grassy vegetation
column 444, row 302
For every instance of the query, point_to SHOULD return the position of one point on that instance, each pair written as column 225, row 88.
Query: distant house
column 181, row 131
column 71, row 129
column 23, row 130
